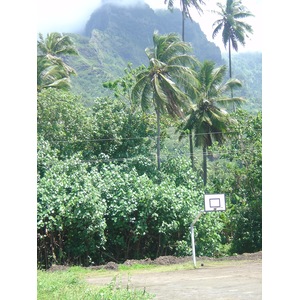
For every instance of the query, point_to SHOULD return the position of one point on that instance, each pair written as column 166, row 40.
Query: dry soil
column 231, row 278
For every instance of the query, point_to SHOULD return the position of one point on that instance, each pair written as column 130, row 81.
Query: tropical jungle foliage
column 101, row 195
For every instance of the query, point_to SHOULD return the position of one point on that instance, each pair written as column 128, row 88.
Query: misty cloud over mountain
column 124, row 2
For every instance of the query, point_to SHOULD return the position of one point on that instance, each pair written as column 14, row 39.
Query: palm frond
column 159, row 93
column 146, row 97
column 234, row 31
column 184, row 60
column 177, row 100
column 65, row 46
column 187, row 6
column 52, row 70
column 141, row 90
column 62, row 84
column 208, row 119
column 149, row 52
column 219, row 25
column 185, row 77
column 228, row 101
column 170, row 4
column 232, row 83
column 243, row 14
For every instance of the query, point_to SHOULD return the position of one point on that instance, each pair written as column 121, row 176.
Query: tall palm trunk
column 204, row 165
column 191, row 149
column 190, row 133
column 158, row 138
column 182, row 33
column 230, row 71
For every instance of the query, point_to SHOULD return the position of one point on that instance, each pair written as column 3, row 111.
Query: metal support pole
column 193, row 245
column 193, row 237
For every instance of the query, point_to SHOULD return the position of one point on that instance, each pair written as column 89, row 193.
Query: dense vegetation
column 101, row 197
column 100, row 194
column 247, row 68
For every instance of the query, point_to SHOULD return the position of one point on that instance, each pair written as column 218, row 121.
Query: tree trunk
column 191, row 133
column 191, row 149
column 158, row 139
column 204, row 165
column 182, row 33
column 230, row 71
column 52, row 245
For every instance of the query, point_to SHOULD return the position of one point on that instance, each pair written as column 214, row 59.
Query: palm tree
column 234, row 30
column 207, row 118
column 56, row 44
column 185, row 7
column 160, row 85
column 51, row 75
column 52, row 70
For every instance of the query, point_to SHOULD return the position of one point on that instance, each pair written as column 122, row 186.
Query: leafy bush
column 247, row 231
column 238, row 174
column 208, row 235
column 63, row 121
column 70, row 214
column 147, row 217
column 118, row 130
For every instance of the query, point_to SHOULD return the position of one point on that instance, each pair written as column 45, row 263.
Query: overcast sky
column 71, row 16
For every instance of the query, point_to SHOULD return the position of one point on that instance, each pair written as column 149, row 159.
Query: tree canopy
column 161, row 86
column 52, row 71
column 234, row 30
column 207, row 117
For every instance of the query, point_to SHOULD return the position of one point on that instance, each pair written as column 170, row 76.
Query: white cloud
column 123, row 2
column 64, row 15
column 155, row 4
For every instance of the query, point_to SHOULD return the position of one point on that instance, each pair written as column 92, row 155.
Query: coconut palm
column 234, row 30
column 208, row 116
column 56, row 44
column 52, row 70
column 186, row 6
column 51, row 75
column 160, row 85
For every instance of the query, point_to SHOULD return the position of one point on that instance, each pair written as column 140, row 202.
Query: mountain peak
column 130, row 27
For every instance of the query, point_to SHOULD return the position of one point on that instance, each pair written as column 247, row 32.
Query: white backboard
column 214, row 202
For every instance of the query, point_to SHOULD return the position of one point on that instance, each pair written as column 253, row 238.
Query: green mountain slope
column 131, row 31
column 115, row 36
column 247, row 67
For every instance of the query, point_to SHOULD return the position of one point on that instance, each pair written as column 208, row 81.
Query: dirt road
column 224, row 280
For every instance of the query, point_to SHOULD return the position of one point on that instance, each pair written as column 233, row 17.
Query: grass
column 157, row 268
column 70, row 285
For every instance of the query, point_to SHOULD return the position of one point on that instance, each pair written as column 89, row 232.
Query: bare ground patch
column 229, row 278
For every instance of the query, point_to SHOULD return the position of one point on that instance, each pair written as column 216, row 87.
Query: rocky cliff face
column 117, row 35
column 130, row 30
